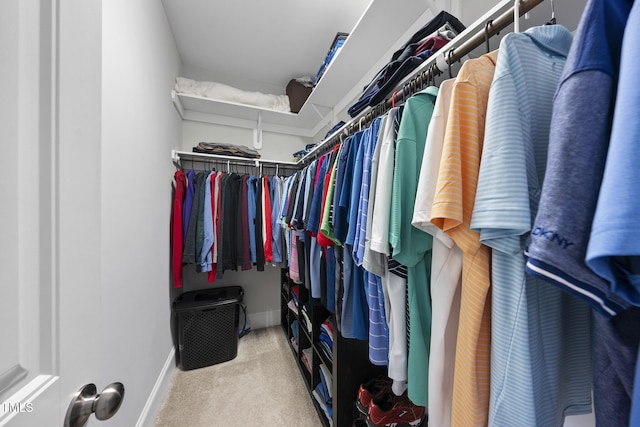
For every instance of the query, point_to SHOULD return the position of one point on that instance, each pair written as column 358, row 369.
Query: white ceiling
column 258, row 44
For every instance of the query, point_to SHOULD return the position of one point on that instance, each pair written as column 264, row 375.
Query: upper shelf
column 378, row 30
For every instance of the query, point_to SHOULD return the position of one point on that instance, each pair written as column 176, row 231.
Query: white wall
column 139, row 128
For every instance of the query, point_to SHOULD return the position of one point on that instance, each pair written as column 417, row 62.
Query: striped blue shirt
column 540, row 336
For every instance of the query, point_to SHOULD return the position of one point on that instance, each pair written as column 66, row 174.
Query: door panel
column 50, row 79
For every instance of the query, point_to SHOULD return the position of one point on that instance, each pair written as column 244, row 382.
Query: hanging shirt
column 340, row 170
column 363, row 203
column 446, row 268
column 177, row 235
column 577, row 152
column 207, row 243
column 326, row 226
column 393, row 286
column 614, row 248
column 244, row 213
column 341, row 211
column 328, row 239
column 276, row 230
column 541, row 337
column 266, row 225
column 613, row 252
column 251, row 217
column 411, row 247
column 372, row 261
column 452, row 210
column 188, row 202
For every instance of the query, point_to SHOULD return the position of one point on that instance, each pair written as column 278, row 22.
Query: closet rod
column 178, row 155
column 435, row 65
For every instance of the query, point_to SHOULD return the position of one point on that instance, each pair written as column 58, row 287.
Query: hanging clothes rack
column 226, row 161
column 502, row 15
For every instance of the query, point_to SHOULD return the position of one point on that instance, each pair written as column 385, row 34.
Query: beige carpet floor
column 262, row 386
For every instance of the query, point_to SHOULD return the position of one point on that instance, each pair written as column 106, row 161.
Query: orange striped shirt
column 452, row 210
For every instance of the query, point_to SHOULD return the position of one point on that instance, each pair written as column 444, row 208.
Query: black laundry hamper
column 206, row 326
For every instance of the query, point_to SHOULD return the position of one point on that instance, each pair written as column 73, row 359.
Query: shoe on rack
column 375, row 388
column 396, row 412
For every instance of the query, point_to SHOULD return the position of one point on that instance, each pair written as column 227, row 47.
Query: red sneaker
column 399, row 412
column 375, row 388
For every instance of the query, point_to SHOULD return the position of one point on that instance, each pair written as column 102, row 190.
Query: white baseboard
column 159, row 391
column 264, row 319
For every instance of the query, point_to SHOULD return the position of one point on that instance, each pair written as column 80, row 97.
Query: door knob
column 86, row 402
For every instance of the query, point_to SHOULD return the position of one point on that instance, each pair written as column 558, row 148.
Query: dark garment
column 615, row 354
column 189, row 252
column 258, row 224
column 331, row 278
column 313, row 222
column 188, row 202
column 307, row 260
column 323, row 277
column 399, row 73
column 339, row 285
column 230, row 225
column 309, row 195
column 297, row 222
column 220, row 231
column 246, row 252
column 432, row 26
column 292, row 198
column 431, row 44
column 302, row 257
column 341, row 210
column 405, row 54
column 342, row 161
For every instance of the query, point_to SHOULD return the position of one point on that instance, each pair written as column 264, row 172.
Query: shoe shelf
column 350, row 366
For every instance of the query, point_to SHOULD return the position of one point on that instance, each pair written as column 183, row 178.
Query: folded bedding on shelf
column 222, row 92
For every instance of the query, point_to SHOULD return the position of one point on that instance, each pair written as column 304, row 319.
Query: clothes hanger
column 449, row 55
column 486, row 34
column 552, row 21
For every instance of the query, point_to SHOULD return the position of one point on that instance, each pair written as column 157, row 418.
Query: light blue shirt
column 356, row 182
column 540, row 336
column 614, row 245
column 206, row 257
column 276, row 229
column 363, row 204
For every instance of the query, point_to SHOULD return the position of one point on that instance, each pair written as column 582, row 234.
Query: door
column 50, row 309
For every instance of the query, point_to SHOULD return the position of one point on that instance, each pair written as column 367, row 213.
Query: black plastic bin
column 206, row 326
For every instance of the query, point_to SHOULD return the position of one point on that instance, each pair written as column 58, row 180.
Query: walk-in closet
column 371, row 213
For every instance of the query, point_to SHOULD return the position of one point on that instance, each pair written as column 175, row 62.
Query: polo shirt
column 411, row 246
column 251, row 215
column 342, row 161
column 341, row 211
column 446, row 268
column 579, row 140
column 451, row 212
column 540, row 355
column 613, row 249
column 188, row 202
column 372, row 261
column 356, row 188
column 363, row 203
column 393, row 286
column 614, row 245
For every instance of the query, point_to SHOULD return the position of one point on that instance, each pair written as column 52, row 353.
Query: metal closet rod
column 235, row 160
column 434, row 68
